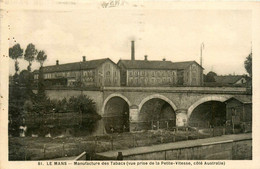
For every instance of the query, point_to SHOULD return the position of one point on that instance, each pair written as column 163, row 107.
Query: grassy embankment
column 29, row 148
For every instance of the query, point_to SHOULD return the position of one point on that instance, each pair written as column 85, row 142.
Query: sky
column 90, row 30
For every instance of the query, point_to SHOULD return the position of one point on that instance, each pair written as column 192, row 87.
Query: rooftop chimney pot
column 84, row 58
column 145, row 57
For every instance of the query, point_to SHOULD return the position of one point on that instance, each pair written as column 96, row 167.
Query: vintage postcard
column 123, row 83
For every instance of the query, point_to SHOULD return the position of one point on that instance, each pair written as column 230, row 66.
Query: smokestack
column 84, row 58
column 132, row 50
column 57, row 62
column 145, row 57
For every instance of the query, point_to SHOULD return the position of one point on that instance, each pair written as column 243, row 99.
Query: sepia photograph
column 119, row 80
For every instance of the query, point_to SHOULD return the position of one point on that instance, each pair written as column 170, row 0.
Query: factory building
column 131, row 73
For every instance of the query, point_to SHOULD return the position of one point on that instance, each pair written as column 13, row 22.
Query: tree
column 41, row 86
column 26, row 80
column 210, row 77
column 82, row 103
column 28, row 106
column 87, row 108
column 30, row 54
column 16, row 52
column 248, row 64
column 16, row 102
column 41, row 57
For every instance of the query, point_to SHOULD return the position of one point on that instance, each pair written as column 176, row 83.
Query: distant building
column 94, row 73
column 239, row 111
column 104, row 72
column 160, row 73
column 232, row 79
column 190, row 72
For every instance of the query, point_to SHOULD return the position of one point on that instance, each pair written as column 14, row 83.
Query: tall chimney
column 57, row 62
column 84, row 58
column 145, row 57
column 132, row 50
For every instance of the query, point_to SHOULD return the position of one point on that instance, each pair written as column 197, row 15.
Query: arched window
column 130, row 73
column 234, row 111
column 131, row 81
column 164, row 79
column 135, row 81
column 153, row 81
column 153, row 73
column 164, row 73
column 194, row 80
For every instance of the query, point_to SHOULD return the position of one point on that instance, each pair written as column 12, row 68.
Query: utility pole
column 201, row 49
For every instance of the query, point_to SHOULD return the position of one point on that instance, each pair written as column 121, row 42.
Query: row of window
column 137, row 81
column 139, row 77
column 88, row 73
column 66, row 74
column 108, row 73
column 89, row 79
column 152, row 73
column 108, row 81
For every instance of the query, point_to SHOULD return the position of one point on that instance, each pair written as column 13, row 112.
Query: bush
column 87, row 108
column 78, row 113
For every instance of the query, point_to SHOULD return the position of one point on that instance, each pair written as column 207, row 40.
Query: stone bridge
column 182, row 100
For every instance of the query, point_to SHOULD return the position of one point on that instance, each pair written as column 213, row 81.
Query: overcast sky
column 96, row 32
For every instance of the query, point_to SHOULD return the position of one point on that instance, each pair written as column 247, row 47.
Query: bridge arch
column 203, row 100
column 156, row 96
column 156, row 112
column 116, row 113
column 111, row 96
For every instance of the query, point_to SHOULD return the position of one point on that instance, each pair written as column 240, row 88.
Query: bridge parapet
column 210, row 90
